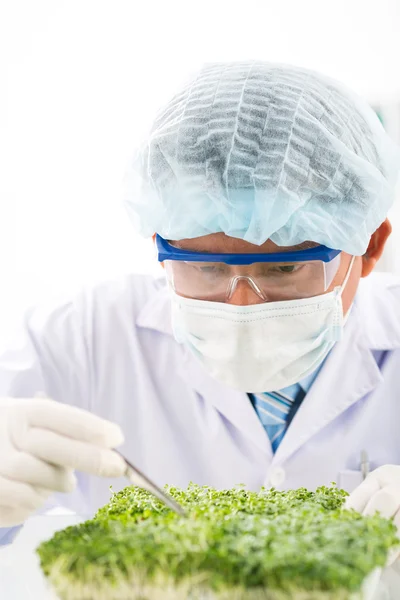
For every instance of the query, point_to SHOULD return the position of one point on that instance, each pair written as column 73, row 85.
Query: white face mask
column 261, row 347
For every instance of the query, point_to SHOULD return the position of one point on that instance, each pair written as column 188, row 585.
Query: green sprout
column 232, row 544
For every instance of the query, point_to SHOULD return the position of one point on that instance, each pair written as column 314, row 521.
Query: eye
column 287, row 268
column 208, row 269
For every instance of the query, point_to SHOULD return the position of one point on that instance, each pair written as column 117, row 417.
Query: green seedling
column 233, row 544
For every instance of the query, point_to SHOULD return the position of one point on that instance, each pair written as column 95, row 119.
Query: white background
column 80, row 80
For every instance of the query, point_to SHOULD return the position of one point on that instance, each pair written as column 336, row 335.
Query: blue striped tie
column 273, row 409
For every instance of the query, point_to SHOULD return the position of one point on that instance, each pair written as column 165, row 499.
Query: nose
column 243, row 294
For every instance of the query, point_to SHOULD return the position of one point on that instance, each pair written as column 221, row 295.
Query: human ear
column 375, row 248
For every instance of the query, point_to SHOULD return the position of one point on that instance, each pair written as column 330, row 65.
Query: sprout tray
column 232, row 545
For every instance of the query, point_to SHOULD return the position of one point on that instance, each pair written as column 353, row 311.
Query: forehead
column 219, row 243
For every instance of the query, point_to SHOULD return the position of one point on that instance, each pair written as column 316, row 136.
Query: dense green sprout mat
column 233, row 544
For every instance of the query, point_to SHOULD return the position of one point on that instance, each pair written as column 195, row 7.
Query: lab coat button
column 277, row 477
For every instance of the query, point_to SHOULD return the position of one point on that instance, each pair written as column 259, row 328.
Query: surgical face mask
column 262, row 347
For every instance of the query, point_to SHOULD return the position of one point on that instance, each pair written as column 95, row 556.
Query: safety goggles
column 272, row 276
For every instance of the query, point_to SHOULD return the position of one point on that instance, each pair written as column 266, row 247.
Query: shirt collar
column 307, row 382
column 304, row 384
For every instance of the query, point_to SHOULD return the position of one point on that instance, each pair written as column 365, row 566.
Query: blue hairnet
column 263, row 151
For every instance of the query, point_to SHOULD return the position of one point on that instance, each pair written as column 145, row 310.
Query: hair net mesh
column 262, row 151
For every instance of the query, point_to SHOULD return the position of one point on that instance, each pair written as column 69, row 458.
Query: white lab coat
column 111, row 351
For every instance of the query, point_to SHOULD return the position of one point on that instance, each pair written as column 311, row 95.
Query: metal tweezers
column 137, row 478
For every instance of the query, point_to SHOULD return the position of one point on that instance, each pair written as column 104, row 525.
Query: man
column 268, row 187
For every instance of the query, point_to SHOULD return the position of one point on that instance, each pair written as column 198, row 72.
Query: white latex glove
column 380, row 492
column 41, row 443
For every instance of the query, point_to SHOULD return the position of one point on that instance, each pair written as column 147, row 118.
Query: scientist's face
column 243, row 294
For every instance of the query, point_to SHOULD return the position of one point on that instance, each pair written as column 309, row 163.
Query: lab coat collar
column 378, row 304
column 156, row 313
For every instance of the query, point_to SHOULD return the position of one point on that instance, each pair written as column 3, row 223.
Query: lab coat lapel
column 233, row 405
column 349, row 373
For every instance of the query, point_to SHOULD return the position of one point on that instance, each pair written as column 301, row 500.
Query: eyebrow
column 303, row 246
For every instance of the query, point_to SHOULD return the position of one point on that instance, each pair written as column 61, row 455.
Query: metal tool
column 137, row 478
column 364, row 464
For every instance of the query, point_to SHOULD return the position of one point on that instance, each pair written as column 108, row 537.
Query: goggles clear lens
column 217, row 281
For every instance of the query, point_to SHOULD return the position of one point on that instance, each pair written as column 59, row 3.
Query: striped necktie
column 275, row 410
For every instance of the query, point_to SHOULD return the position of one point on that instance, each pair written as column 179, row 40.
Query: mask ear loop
column 346, row 279
column 340, row 319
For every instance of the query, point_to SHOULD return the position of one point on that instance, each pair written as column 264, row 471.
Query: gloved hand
column 380, row 492
column 41, row 443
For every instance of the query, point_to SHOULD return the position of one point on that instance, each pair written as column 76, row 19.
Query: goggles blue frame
column 168, row 252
